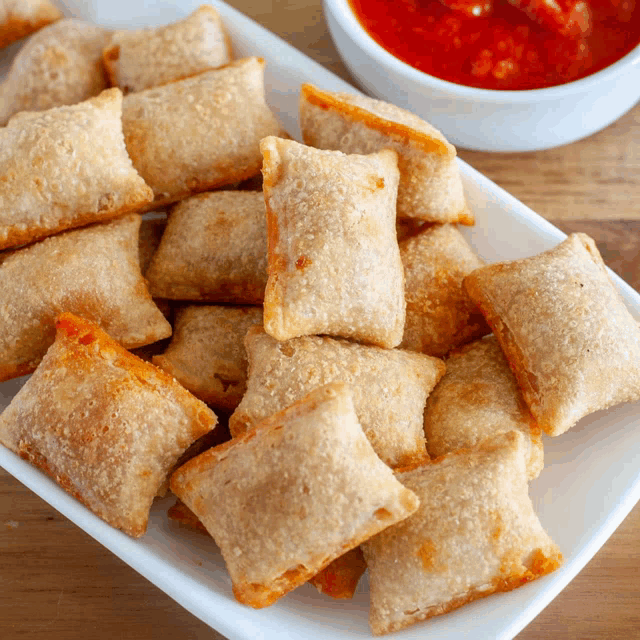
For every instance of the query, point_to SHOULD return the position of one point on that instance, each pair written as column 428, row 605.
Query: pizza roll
column 93, row 272
column 60, row 65
column 339, row 579
column 145, row 58
column 440, row 314
column 430, row 185
column 478, row 397
column 214, row 249
column 105, row 425
column 286, row 499
column 334, row 264
column 64, row 168
column 474, row 534
column 389, row 387
column 207, row 354
column 199, row 133
column 19, row 18
column 571, row 342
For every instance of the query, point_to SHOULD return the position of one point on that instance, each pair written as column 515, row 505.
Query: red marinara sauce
column 502, row 50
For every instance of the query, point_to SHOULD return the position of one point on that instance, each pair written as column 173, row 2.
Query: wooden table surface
column 58, row 583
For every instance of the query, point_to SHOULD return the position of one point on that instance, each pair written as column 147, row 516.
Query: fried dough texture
column 64, row 168
column 287, row 498
column 199, row 133
column 214, row 249
column 107, row 426
column 569, row 339
column 19, row 18
column 334, row 263
column 60, row 65
column 430, row 185
column 474, row 534
column 440, row 314
column 145, row 58
column 93, row 272
column 207, row 354
column 479, row 397
column 389, row 387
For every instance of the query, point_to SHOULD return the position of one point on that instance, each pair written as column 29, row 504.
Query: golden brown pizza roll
column 199, row 133
column 440, row 314
column 334, row 263
column 339, row 579
column 105, row 425
column 478, row 397
column 145, row 58
column 296, row 492
column 93, row 272
column 60, row 65
column 389, row 387
column 214, row 249
column 19, row 18
column 430, row 185
column 207, row 354
column 571, row 342
column 475, row 533
column 64, row 168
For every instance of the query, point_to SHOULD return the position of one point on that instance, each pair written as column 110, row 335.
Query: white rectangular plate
column 590, row 482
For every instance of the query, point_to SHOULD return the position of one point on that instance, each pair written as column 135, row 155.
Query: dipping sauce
column 494, row 45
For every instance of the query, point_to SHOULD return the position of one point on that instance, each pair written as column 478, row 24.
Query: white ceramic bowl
column 487, row 119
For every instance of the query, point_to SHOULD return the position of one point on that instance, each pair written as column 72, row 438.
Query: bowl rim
column 342, row 12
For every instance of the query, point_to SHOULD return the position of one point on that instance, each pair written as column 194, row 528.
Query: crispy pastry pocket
column 389, row 387
column 199, row 133
column 430, row 185
column 339, row 579
column 478, row 397
column 65, row 167
column 214, row 249
column 440, row 314
column 334, row 263
column 475, row 533
column 105, row 425
column 571, row 342
column 207, row 354
column 60, row 65
column 19, row 18
column 145, row 58
column 286, row 499
column 93, row 272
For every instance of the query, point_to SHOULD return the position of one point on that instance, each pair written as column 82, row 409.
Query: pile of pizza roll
column 385, row 390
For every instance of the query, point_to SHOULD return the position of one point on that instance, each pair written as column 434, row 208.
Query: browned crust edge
column 199, row 187
column 540, row 565
column 527, row 382
column 15, row 29
column 26, row 452
column 397, row 131
column 18, row 238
